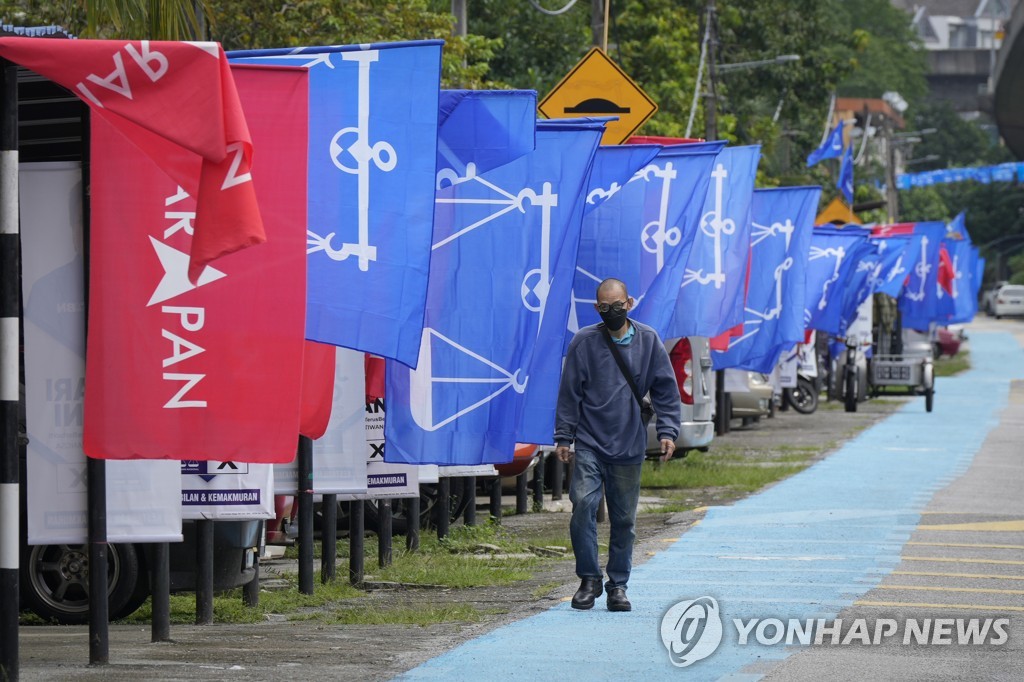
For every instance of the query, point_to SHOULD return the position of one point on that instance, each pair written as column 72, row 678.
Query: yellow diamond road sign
column 598, row 87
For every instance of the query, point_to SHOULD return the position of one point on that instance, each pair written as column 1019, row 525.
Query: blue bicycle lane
column 805, row 548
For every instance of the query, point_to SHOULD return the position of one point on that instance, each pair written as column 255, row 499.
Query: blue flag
column 979, row 275
column 711, row 294
column 372, row 155
column 642, row 235
column 862, row 279
column 501, row 269
column 895, row 253
column 959, row 304
column 487, row 128
column 614, row 166
column 828, row 265
column 782, row 221
column 845, row 182
column 830, row 148
column 919, row 303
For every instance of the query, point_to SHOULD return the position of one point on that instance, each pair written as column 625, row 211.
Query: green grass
column 947, row 367
column 413, row 614
column 702, row 471
column 542, row 591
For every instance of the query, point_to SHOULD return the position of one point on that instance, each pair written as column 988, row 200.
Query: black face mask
column 614, row 320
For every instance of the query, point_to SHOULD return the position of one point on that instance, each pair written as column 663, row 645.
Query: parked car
column 755, row 403
column 1009, row 300
column 988, row 297
column 691, row 360
column 947, row 342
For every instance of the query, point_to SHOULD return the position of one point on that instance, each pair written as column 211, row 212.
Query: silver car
column 691, row 360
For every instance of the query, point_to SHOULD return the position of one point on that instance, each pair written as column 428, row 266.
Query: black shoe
column 617, row 600
column 590, row 589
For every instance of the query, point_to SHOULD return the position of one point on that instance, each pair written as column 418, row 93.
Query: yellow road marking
column 960, row 575
column 969, row 607
column 565, row 599
column 1014, row 526
column 964, row 544
column 925, row 588
column 668, row 539
column 963, row 561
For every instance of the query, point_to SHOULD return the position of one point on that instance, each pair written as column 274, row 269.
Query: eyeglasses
column 618, row 307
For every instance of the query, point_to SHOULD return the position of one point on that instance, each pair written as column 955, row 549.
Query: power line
column 553, row 13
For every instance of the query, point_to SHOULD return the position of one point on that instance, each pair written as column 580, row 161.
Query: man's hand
column 562, row 451
column 668, row 446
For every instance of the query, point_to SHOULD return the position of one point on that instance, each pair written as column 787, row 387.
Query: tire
column 929, row 387
column 803, row 398
column 850, row 389
column 55, row 581
column 929, row 399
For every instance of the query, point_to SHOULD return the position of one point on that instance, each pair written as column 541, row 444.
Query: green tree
column 126, row 19
column 955, row 142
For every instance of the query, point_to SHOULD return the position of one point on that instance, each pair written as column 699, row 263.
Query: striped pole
column 9, row 363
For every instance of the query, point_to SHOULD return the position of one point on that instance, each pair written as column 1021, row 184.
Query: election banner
column 828, row 264
column 339, row 455
column 177, row 102
column 642, row 232
column 226, row 490
column 958, row 305
column 142, row 497
column 710, row 299
column 504, row 253
column 372, row 153
column 919, row 303
column 831, row 148
column 782, row 221
column 210, row 370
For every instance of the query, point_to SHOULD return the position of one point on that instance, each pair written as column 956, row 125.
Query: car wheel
column 55, row 581
column 999, row 317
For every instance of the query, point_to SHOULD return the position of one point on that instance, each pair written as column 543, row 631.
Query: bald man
column 598, row 411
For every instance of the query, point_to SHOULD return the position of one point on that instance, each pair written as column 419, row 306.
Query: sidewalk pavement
column 898, row 508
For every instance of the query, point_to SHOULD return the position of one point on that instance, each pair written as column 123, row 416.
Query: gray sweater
column 596, row 407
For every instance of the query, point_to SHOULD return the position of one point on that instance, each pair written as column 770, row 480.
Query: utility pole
column 711, row 96
column 599, row 10
column 461, row 22
column 891, row 195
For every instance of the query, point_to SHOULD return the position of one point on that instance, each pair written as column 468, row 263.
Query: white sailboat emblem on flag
column 760, row 233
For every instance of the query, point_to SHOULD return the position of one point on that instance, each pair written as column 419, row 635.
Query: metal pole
column 412, row 528
column 10, row 524
column 597, row 22
column 891, row 196
column 160, row 584
column 711, row 99
column 329, row 539
column 442, row 507
column 461, row 22
column 557, row 479
column 356, row 528
column 251, row 590
column 204, row 572
column 538, row 484
column 469, row 493
column 496, row 499
column 522, row 494
column 700, row 74
column 96, row 495
column 607, row 17
column 721, row 405
column 384, row 533
column 305, row 462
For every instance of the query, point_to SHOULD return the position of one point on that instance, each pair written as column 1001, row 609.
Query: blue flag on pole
column 372, row 156
column 845, row 182
column 830, row 148
column 958, row 305
column 782, row 221
column 864, row 276
column 895, row 253
column 957, row 228
column 614, row 166
column 919, row 303
column 501, row 269
column 642, row 235
column 487, row 128
column 828, row 265
column 711, row 294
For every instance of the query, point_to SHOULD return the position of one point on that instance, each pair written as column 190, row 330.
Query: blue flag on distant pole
column 782, row 221
column 711, row 294
column 372, row 156
column 959, row 304
column 895, row 255
column 919, row 303
column 845, row 182
column 957, row 228
column 642, row 235
column 503, row 254
column 830, row 148
column 828, row 265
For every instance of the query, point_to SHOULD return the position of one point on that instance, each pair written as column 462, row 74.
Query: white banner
column 388, row 480
column 142, row 496
column 807, row 358
column 473, row 470
column 787, row 368
column 339, row 456
column 227, row 490
column 860, row 331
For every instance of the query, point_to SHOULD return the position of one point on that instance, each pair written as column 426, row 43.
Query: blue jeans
column 622, row 492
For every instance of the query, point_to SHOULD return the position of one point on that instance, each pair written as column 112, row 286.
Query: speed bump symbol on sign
column 596, row 86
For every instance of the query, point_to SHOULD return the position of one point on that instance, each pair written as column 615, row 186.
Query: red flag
column 317, row 388
column 208, row 371
column 945, row 273
column 177, row 101
column 375, row 374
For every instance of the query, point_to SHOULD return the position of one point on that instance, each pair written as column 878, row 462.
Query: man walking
column 599, row 409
